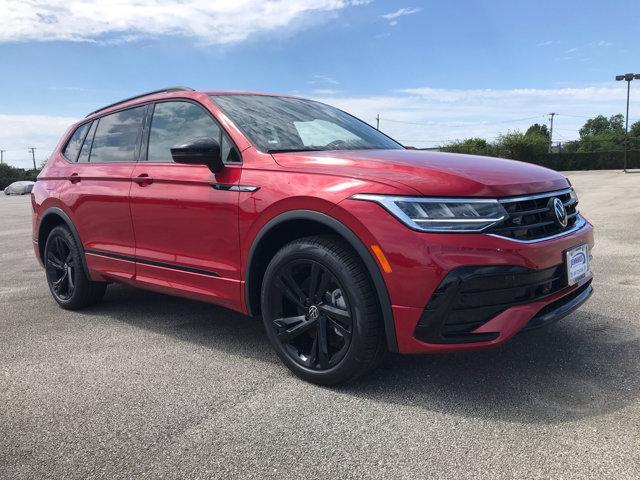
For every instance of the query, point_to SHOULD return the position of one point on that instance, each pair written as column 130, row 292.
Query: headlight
column 441, row 214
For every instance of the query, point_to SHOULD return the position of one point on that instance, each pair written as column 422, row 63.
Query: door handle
column 74, row 178
column 143, row 179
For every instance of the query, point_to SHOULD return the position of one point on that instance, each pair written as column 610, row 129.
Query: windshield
column 282, row 124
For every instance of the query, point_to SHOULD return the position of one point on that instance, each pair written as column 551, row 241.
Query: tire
column 321, row 312
column 68, row 281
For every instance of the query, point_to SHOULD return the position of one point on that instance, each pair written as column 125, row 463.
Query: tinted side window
column 75, row 142
column 86, row 146
column 117, row 136
column 174, row 123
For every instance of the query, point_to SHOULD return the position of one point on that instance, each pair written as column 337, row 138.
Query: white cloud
column 324, row 91
column 114, row 21
column 19, row 132
column 401, row 13
column 432, row 116
column 323, row 80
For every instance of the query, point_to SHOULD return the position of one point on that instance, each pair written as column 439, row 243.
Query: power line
column 575, row 116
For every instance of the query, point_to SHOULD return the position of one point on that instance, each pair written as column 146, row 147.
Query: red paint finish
column 162, row 226
column 181, row 220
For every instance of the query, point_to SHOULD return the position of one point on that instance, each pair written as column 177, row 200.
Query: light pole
column 627, row 77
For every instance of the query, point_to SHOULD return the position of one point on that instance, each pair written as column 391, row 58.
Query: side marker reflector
column 384, row 263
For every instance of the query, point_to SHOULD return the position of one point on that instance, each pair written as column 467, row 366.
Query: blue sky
column 434, row 71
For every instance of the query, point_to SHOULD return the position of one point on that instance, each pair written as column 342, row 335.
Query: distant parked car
column 19, row 188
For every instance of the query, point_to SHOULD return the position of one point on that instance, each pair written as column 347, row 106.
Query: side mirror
column 199, row 151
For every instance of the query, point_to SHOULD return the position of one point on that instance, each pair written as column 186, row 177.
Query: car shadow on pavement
column 195, row 322
column 583, row 366
column 586, row 365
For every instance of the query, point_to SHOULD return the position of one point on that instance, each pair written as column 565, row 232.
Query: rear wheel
column 68, row 281
column 321, row 312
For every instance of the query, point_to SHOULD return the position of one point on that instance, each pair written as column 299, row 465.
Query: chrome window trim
column 535, row 196
column 580, row 222
column 373, row 197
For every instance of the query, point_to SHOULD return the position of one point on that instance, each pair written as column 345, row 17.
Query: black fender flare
column 355, row 242
column 58, row 212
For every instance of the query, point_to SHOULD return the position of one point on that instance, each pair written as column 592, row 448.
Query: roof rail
column 162, row 90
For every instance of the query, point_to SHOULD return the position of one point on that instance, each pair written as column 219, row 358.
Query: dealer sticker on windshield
column 577, row 263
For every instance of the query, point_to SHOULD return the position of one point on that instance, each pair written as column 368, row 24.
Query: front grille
column 531, row 217
column 468, row 297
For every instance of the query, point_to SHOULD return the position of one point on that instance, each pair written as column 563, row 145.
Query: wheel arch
column 51, row 218
column 309, row 222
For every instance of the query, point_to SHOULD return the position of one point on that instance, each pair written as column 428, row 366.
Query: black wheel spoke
column 342, row 316
column 313, row 279
column 294, row 327
column 54, row 262
column 59, row 247
column 70, row 280
column 290, row 294
column 58, row 283
column 323, row 344
column 339, row 327
column 325, row 278
column 313, row 354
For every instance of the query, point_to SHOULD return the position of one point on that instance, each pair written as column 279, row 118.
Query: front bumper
column 421, row 262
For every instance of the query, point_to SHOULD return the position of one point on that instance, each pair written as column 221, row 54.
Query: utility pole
column 2, row 156
column 378, row 122
column 551, row 115
column 33, row 155
column 627, row 77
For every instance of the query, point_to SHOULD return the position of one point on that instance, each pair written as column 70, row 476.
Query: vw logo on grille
column 314, row 312
column 560, row 213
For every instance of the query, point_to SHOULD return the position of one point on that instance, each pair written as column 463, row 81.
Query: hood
column 430, row 173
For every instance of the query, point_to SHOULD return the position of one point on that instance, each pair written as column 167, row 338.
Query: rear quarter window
column 74, row 144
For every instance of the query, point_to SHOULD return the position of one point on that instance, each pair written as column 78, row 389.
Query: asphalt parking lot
column 150, row 385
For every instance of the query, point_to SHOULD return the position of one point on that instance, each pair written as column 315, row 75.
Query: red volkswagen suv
column 346, row 243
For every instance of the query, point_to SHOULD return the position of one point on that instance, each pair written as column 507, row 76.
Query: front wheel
column 321, row 312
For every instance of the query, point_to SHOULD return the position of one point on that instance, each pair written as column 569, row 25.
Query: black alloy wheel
column 312, row 315
column 321, row 312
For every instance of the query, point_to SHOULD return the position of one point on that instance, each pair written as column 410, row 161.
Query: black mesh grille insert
column 533, row 218
column 468, row 297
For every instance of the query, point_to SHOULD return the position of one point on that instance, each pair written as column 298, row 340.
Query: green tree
column 537, row 129
column 9, row 174
column 520, row 146
column 600, row 134
column 601, row 125
column 471, row 146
